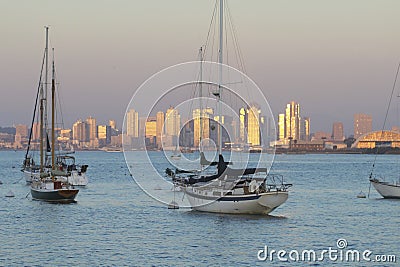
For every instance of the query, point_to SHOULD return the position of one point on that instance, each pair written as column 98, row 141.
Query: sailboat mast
column 53, row 105
column 201, row 95
column 46, row 80
column 221, row 41
column 43, row 106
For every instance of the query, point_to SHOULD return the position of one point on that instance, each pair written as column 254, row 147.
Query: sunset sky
column 336, row 58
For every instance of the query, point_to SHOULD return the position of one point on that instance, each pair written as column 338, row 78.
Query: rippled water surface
column 115, row 223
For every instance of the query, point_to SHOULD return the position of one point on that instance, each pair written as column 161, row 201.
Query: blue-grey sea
column 114, row 223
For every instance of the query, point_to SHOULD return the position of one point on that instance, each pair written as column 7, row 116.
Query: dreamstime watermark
column 340, row 253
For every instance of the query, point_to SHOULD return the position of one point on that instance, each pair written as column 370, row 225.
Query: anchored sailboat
column 49, row 182
column 240, row 191
column 67, row 169
column 384, row 188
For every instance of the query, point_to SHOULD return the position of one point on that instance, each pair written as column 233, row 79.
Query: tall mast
column 43, row 95
column 53, row 105
column 46, row 80
column 201, row 95
column 221, row 41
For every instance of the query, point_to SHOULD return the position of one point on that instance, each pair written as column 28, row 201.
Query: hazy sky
column 335, row 58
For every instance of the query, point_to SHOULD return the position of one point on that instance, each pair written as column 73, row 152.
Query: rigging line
column 386, row 115
column 211, row 22
column 238, row 52
column 236, row 41
column 34, row 110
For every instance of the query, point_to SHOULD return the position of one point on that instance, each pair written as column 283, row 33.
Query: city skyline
column 164, row 130
column 332, row 66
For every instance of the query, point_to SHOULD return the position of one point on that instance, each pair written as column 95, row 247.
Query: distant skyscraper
column 92, row 128
column 201, row 118
column 79, row 132
column 362, row 124
column 159, row 128
column 253, row 126
column 291, row 125
column 306, row 129
column 151, row 130
column 36, row 131
column 104, row 133
column 281, row 127
column 337, row 131
column 132, row 123
column 172, row 122
column 292, row 120
column 242, row 125
column 21, row 130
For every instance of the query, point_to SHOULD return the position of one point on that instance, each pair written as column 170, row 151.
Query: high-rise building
column 337, row 131
column 305, row 126
column 151, row 130
column 201, row 118
column 36, row 131
column 104, row 133
column 362, row 124
column 242, row 125
column 281, row 127
column 132, row 123
column 160, row 118
column 292, row 120
column 172, row 122
column 253, row 126
column 291, row 125
column 91, row 128
column 21, row 130
column 79, row 132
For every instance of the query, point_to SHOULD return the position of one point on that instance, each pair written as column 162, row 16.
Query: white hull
column 262, row 203
column 387, row 190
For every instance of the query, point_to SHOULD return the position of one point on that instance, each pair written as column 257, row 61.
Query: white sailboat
column 384, row 188
column 236, row 191
column 64, row 161
column 46, row 184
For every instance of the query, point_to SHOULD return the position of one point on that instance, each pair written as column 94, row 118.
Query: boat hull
column 262, row 203
column 59, row 195
column 386, row 190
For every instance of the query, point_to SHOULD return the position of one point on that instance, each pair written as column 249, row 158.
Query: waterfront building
column 382, row 139
column 253, row 126
column 91, row 128
column 205, row 115
column 337, row 131
column 132, row 123
column 160, row 120
column 172, row 126
column 104, row 133
column 79, row 132
column 362, row 124
column 292, row 120
column 150, row 131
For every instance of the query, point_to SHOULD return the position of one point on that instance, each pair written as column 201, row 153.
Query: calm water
column 115, row 223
